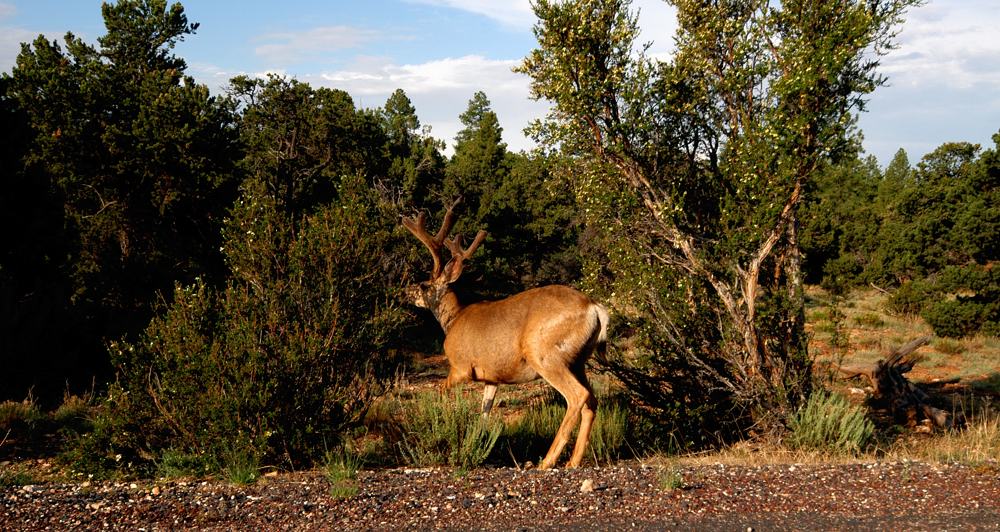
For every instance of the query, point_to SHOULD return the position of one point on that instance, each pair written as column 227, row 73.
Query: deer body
column 546, row 332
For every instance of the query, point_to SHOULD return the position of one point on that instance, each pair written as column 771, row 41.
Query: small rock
column 155, row 491
column 271, row 474
column 133, row 485
column 587, row 487
column 85, row 484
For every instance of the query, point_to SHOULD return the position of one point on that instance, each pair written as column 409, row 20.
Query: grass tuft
column 440, row 431
column 341, row 471
column 829, row 422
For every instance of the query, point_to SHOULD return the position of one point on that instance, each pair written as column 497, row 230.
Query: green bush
column 910, row 298
column 448, row 430
column 828, row 422
column 287, row 356
column 954, row 318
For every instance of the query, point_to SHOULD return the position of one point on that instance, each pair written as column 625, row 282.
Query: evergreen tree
column 141, row 158
column 416, row 166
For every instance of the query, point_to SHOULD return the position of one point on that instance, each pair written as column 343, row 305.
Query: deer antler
column 416, row 225
column 458, row 254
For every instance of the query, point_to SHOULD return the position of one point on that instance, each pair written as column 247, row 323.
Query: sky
column 944, row 78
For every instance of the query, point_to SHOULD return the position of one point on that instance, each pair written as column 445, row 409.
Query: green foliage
column 692, row 188
column 910, row 298
column 829, row 422
column 129, row 167
column 670, row 479
column 530, row 436
column 10, row 478
column 289, row 355
column 448, row 430
column 174, row 464
column 415, row 164
column 949, row 347
column 871, row 320
column 607, row 438
column 20, row 416
column 241, row 466
column 954, row 318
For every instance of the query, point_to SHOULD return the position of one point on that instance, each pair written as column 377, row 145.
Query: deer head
column 431, row 294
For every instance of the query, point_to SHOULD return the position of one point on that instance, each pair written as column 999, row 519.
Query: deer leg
column 587, row 414
column 577, row 395
column 489, row 391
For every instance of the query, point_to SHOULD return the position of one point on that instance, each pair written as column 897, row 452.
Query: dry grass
column 872, row 333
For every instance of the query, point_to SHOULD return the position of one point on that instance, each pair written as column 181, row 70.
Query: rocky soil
column 872, row 496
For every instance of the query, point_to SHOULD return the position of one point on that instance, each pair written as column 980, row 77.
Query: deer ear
column 452, row 271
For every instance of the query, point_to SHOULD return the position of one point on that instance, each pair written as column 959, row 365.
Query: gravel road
column 872, row 496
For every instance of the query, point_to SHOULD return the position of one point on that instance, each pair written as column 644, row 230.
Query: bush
column 448, row 432
column 910, row 298
column 828, row 422
column 288, row 355
column 954, row 318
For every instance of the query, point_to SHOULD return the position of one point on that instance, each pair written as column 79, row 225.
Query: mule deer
column 546, row 332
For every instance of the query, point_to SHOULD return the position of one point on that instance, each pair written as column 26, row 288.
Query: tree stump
column 905, row 401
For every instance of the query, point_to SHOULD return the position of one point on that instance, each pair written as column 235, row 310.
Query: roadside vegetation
column 213, row 284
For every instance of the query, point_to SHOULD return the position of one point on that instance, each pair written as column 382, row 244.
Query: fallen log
column 905, row 401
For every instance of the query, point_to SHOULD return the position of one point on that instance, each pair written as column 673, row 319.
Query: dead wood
column 904, row 400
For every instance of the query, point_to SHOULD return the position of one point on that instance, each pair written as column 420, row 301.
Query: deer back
column 508, row 340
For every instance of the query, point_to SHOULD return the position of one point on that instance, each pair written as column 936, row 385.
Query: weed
column 608, row 435
column 949, row 346
column 10, row 478
column 23, row 415
column 178, row 464
column 670, row 479
column 828, row 422
column 454, row 434
column 240, row 466
column 341, row 471
column 341, row 466
column 870, row 320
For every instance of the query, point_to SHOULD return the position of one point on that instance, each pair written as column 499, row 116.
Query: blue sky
column 944, row 78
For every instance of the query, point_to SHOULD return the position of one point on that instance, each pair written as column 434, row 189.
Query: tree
column 300, row 140
column 840, row 222
column 694, row 170
column 141, row 159
column 416, row 166
column 479, row 165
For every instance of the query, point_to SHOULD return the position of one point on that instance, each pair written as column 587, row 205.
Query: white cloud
column 954, row 44
column 515, row 14
column 657, row 25
column 440, row 91
column 294, row 45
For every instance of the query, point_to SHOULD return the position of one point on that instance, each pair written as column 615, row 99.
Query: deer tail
column 601, row 314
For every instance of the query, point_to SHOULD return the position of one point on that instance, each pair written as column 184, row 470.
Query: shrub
column 948, row 347
column 910, row 298
column 954, row 318
column 448, row 432
column 287, row 356
column 828, row 422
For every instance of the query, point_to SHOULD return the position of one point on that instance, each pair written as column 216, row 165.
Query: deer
column 548, row 332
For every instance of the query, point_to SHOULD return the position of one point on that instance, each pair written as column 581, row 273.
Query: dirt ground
column 863, row 496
